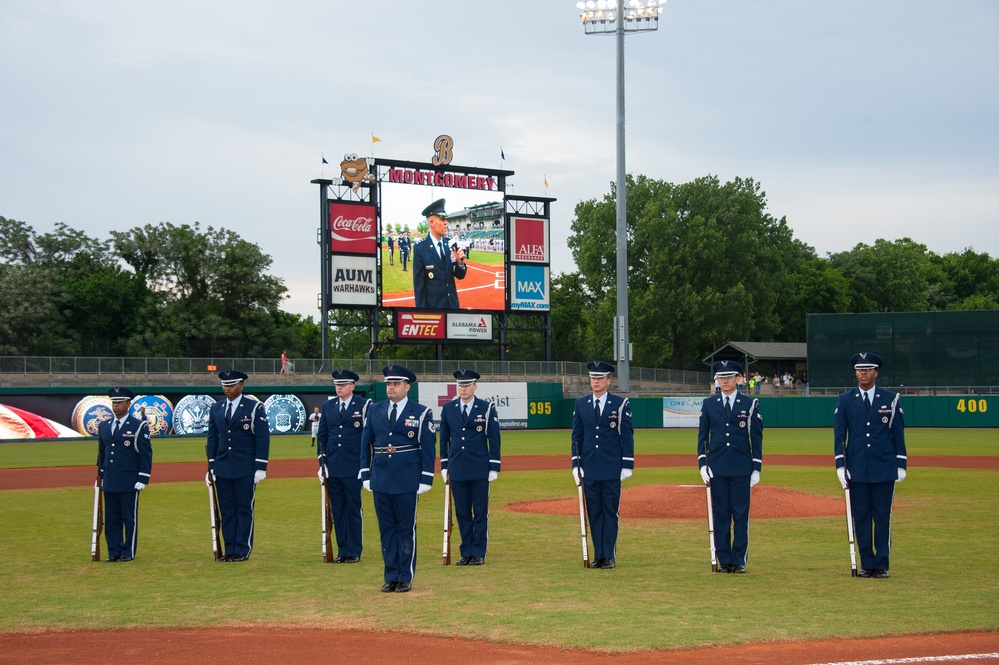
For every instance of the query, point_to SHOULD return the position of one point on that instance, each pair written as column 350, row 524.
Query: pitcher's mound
column 685, row 502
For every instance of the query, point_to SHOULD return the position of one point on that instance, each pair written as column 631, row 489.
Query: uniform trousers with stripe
column 730, row 500
column 397, row 526
column 236, row 496
column 471, row 507
column 871, row 505
column 603, row 505
column 121, row 523
column 348, row 523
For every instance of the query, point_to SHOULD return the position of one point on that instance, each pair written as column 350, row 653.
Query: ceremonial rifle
column 215, row 516
column 98, row 525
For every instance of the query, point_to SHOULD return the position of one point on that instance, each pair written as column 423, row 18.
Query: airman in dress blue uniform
column 398, row 450
column 869, row 432
column 340, row 426
column 239, row 442
column 124, row 463
column 603, row 457
column 470, row 460
column 435, row 264
column 730, row 457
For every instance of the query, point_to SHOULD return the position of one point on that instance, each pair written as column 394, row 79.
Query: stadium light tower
column 617, row 17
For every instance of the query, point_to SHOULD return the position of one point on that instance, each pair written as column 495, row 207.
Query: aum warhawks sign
column 354, row 281
column 352, row 228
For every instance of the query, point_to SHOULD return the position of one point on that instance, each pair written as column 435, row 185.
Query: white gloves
column 444, row 475
column 366, row 484
column 139, row 487
column 901, row 476
column 209, row 477
column 625, row 474
column 423, row 489
column 754, row 479
column 706, row 474
column 493, row 475
column 841, row 474
column 577, row 475
column 258, row 476
column 322, row 473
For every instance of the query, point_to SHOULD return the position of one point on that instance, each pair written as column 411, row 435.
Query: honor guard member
column 470, row 460
column 603, row 456
column 124, row 462
column 398, row 449
column 730, row 457
column 869, row 431
column 340, row 428
column 239, row 441
column 436, row 264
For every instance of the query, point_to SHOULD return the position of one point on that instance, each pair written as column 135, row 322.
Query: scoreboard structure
column 371, row 228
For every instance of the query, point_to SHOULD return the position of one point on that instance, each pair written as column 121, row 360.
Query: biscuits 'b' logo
column 442, row 150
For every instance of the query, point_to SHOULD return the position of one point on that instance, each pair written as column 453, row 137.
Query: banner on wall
column 681, row 411
column 509, row 400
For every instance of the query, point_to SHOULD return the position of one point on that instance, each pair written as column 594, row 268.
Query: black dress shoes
column 725, row 568
column 237, row 557
column 463, row 561
column 737, row 569
column 476, row 561
column 402, row 587
column 607, row 563
column 225, row 558
column 339, row 559
column 389, row 587
column 111, row 559
column 881, row 574
column 350, row 559
column 128, row 558
column 866, row 573
column 597, row 563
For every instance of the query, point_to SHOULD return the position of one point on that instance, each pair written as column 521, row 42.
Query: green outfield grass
column 813, row 441
column 533, row 589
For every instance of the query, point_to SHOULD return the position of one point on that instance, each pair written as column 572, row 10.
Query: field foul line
column 926, row 659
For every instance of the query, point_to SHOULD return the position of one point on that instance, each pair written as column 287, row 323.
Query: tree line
column 707, row 264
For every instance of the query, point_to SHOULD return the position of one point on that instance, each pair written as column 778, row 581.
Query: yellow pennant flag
column 546, row 181
column 375, row 139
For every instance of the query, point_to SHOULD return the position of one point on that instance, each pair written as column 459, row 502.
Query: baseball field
column 533, row 601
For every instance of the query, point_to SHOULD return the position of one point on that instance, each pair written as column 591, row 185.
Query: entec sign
column 352, row 228
column 418, row 325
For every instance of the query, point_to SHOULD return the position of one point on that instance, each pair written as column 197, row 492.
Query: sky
column 861, row 119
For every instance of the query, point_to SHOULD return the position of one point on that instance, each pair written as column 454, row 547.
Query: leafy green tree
column 816, row 288
column 707, row 264
column 973, row 279
column 888, row 276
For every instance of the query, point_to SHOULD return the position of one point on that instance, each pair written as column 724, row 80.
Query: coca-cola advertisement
column 352, row 228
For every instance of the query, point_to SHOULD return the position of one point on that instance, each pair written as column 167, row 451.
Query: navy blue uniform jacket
column 414, row 441
column 340, row 438
column 871, row 446
column 731, row 446
column 433, row 277
column 603, row 448
column 470, row 451
column 127, row 459
column 243, row 447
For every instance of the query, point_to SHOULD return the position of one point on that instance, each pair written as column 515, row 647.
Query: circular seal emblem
column 127, row 443
column 190, row 416
column 246, row 427
column 90, row 412
column 479, row 428
column 357, row 423
column 613, row 424
column 158, row 410
column 285, row 413
column 742, row 423
column 411, row 434
column 885, row 420
column 430, row 275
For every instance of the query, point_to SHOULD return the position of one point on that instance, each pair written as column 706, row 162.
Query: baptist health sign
column 509, row 400
column 530, row 288
column 682, row 411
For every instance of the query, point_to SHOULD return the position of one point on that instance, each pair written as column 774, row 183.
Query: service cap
column 599, row 369
column 866, row 360
column 231, row 377
column 118, row 394
column 724, row 368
